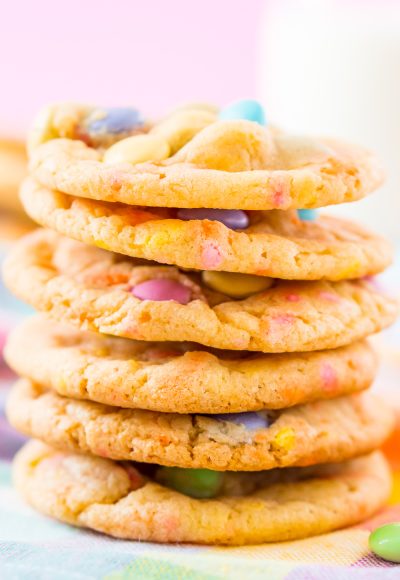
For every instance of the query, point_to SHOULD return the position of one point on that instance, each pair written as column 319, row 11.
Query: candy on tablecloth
column 385, row 542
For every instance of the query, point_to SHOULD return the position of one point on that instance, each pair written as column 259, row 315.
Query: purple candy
column 117, row 120
column 235, row 219
column 162, row 289
column 252, row 421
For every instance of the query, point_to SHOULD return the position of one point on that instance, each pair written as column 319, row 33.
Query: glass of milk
column 332, row 67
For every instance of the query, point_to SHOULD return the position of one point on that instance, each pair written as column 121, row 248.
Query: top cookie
column 194, row 158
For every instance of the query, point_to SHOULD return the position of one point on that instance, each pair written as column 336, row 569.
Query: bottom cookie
column 123, row 499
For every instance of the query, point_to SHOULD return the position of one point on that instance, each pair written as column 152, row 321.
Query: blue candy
column 117, row 120
column 307, row 215
column 251, row 421
column 246, row 109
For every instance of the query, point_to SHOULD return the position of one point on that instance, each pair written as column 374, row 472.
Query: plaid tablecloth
column 35, row 547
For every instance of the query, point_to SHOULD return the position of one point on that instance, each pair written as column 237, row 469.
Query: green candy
column 385, row 542
column 198, row 483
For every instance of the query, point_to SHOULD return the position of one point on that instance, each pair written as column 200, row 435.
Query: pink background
column 149, row 53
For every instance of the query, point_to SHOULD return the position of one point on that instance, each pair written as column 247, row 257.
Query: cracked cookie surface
column 318, row 432
column 100, row 494
column 180, row 377
column 92, row 288
column 276, row 243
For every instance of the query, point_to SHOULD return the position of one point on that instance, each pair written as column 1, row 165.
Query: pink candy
column 329, row 378
column 211, row 256
column 293, row 298
column 281, row 192
column 160, row 289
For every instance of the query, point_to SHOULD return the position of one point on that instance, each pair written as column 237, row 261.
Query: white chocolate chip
column 138, row 149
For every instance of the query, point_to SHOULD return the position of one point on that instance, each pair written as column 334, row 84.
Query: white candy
column 138, row 149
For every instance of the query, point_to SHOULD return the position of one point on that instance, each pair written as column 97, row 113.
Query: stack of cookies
column 199, row 371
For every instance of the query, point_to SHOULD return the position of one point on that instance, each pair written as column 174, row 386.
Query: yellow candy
column 182, row 126
column 138, row 149
column 236, row 285
column 284, row 439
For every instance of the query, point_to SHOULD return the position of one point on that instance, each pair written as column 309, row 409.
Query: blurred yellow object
column 14, row 223
column 13, row 162
column 13, row 226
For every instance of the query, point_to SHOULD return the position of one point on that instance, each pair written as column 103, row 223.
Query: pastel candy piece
column 160, row 289
column 307, row 215
column 115, row 120
column 208, row 107
column 198, row 483
column 236, row 285
column 182, row 126
column 251, row 421
column 235, row 219
column 247, row 109
column 138, row 149
column 385, row 542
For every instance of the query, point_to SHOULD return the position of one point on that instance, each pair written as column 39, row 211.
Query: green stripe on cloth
column 201, row 567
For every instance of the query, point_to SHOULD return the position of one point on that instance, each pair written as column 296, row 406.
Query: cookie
column 181, row 377
column 99, row 290
column 13, row 162
column 193, row 160
column 117, row 500
column 273, row 243
column 323, row 431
